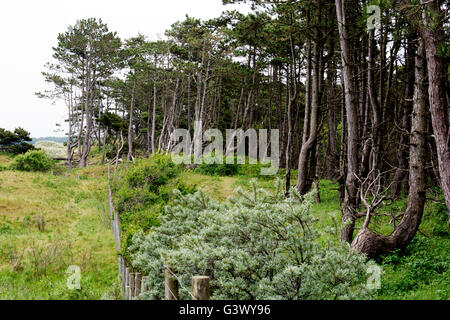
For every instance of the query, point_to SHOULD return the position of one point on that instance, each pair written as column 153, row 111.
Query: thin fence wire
column 180, row 283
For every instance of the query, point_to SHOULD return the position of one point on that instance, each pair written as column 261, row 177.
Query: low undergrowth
column 141, row 191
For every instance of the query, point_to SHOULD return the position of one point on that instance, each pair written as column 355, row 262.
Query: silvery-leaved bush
column 260, row 245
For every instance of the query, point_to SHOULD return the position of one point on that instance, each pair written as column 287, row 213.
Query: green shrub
column 218, row 169
column 32, row 161
column 261, row 246
column 141, row 190
column 253, row 170
column 225, row 169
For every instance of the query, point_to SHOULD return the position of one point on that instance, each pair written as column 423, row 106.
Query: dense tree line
column 365, row 106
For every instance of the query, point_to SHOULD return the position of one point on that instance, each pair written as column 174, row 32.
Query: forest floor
column 33, row 262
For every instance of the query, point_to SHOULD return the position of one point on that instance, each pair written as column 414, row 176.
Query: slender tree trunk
column 87, row 138
column 69, row 139
column 374, row 103
column 104, row 146
column 154, row 118
column 189, row 103
column 130, row 125
column 342, row 153
column 149, row 129
column 332, row 155
column 292, row 95
column 313, row 124
column 351, row 184
column 88, row 112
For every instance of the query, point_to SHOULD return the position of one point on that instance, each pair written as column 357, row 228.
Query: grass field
column 48, row 223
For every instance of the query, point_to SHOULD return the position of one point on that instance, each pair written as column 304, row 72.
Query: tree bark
column 88, row 112
column 154, row 118
column 311, row 119
column 332, row 154
column 374, row 103
column 433, row 35
column 351, row 184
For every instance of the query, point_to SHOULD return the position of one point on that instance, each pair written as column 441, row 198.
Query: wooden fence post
column 200, row 288
column 132, row 286
column 170, row 284
column 144, row 285
column 123, row 274
column 127, row 284
column 137, row 284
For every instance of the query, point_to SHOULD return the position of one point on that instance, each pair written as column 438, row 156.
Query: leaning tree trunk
column 375, row 245
column 309, row 143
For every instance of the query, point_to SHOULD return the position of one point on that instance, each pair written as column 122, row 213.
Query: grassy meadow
column 48, row 223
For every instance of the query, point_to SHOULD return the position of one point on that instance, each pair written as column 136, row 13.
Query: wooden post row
column 127, row 286
column 144, row 285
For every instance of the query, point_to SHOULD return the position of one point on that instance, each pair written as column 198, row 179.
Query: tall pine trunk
column 351, row 182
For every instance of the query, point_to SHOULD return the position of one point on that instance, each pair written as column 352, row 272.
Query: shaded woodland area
column 367, row 107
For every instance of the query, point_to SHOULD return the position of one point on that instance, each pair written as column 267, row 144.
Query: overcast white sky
column 28, row 31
